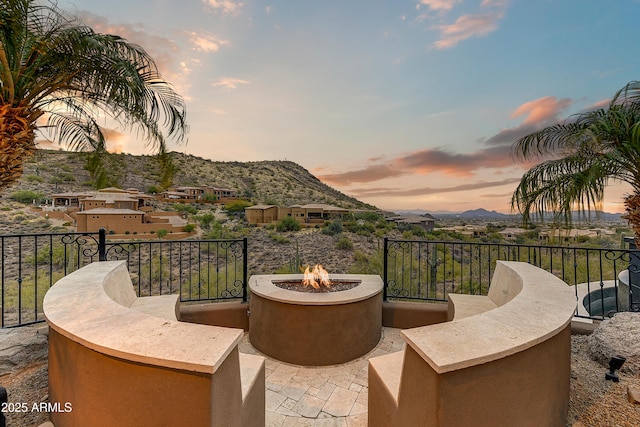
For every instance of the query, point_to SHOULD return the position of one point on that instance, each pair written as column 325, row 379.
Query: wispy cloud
column 427, row 161
column 164, row 50
column 465, row 26
column 206, row 42
column 368, row 174
column 538, row 113
column 541, row 110
column 425, row 191
column 438, row 4
column 226, row 7
column 495, row 155
column 229, row 82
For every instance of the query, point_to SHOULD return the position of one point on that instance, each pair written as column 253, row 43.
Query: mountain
column 483, row 213
column 281, row 183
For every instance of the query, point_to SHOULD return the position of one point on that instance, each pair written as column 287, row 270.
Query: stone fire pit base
column 315, row 329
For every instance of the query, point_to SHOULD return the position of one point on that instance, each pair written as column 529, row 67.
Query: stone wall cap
column 78, row 308
column 544, row 306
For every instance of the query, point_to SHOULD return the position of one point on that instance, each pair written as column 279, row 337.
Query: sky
column 403, row 104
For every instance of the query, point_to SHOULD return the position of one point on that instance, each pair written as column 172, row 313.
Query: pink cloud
column 206, row 42
column 541, row 110
column 229, row 82
column 427, row 161
column 423, row 191
column 438, row 4
column 162, row 49
column 465, row 27
column 225, row 6
column 368, row 174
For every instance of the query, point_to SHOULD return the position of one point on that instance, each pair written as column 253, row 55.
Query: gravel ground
column 594, row 401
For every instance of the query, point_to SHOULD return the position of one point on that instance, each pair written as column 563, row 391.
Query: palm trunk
column 17, row 143
column 632, row 215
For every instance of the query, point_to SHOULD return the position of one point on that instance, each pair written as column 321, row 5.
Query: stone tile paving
column 320, row 396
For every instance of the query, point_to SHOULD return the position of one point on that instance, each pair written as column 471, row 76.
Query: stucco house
column 308, row 215
column 200, row 194
column 426, row 221
column 119, row 211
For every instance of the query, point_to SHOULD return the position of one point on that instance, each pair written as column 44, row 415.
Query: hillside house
column 307, row 215
column 202, row 194
column 512, row 233
column 573, row 235
column 425, row 221
column 116, row 210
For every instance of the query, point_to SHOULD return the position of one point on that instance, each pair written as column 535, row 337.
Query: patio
column 320, row 396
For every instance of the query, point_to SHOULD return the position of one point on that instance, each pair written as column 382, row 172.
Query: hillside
column 271, row 182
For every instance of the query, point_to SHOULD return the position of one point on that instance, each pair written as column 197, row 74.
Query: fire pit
column 322, row 327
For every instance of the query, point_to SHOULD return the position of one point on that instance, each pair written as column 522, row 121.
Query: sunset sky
column 404, row 104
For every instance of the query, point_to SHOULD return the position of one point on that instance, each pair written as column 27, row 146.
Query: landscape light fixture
column 615, row 363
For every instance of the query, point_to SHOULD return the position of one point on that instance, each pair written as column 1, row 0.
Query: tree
column 60, row 76
column 583, row 154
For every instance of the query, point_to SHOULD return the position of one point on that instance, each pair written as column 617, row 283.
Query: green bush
column 344, row 243
column 288, row 224
column 333, row 228
column 33, row 178
column 26, row 196
column 180, row 207
column 237, row 206
column 206, row 220
column 189, row 228
column 279, row 238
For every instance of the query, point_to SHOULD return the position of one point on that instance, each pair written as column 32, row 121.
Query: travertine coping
column 79, row 308
column 544, row 306
column 263, row 285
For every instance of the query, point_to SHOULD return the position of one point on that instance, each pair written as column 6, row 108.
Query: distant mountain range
column 485, row 214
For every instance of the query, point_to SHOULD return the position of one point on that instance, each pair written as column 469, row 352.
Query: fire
column 316, row 277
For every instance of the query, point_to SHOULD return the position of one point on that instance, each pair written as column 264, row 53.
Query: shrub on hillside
column 333, row 228
column 237, row 206
column 344, row 243
column 26, row 196
column 288, row 224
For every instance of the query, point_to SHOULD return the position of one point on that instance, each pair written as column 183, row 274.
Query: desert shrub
column 161, row 233
column 288, row 224
column 26, row 196
column 180, row 207
column 333, row 228
column 237, row 206
column 153, row 189
column 219, row 232
column 33, row 178
column 279, row 238
column 189, row 228
column 344, row 243
column 206, row 220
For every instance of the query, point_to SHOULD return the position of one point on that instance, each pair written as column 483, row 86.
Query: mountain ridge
column 278, row 182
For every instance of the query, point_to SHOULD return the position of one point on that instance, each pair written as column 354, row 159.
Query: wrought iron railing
column 199, row 270
column 430, row 270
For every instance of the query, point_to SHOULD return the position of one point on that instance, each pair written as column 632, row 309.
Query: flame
column 316, row 277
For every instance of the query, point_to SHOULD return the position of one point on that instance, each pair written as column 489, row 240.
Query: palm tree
column 61, row 76
column 583, row 154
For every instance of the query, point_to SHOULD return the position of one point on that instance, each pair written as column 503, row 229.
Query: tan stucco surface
column 543, row 308
column 108, row 327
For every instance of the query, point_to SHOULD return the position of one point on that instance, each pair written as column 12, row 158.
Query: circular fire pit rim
column 262, row 285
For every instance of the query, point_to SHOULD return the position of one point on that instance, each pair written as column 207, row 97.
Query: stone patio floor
column 320, row 396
